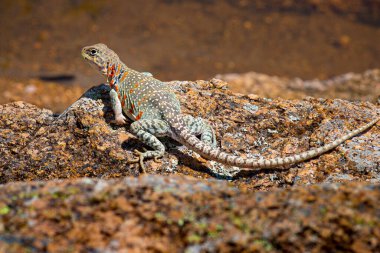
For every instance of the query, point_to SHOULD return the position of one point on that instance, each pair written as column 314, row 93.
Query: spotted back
column 142, row 96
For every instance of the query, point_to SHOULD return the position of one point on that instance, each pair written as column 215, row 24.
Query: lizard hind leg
column 147, row 130
column 200, row 127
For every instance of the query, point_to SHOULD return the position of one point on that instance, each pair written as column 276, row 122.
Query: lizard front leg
column 146, row 131
column 117, row 109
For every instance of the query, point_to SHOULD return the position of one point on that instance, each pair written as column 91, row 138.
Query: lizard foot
column 120, row 120
column 140, row 159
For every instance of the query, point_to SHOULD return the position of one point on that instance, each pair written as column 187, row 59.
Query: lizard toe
column 139, row 159
column 157, row 159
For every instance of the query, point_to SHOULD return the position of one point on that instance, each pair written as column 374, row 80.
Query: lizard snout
column 84, row 54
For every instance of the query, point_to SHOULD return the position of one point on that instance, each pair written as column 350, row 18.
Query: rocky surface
column 330, row 202
column 38, row 145
column 351, row 86
column 182, row 214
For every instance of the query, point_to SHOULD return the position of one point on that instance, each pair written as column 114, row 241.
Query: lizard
column 155, row 111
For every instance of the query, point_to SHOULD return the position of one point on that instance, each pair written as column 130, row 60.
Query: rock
column 77, row 143
column 182, row 214
column 81, row 142
column 333, row 208
column 350, row 86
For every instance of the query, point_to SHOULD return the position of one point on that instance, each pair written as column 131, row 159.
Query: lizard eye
column 93, row 52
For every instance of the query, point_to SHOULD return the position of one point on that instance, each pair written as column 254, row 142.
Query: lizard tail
column 186, row 138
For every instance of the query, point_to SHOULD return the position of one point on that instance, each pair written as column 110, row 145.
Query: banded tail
column 216, row 154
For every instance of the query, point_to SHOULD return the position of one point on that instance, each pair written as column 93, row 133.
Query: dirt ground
column 189, row 40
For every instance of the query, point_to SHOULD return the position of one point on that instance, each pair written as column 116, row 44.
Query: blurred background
column 41, row 40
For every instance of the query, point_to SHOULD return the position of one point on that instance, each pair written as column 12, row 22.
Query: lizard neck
column 116, row 73
column 113, row 68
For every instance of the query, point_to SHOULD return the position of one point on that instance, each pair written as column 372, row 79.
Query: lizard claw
column 156, row 159
column 121, row 120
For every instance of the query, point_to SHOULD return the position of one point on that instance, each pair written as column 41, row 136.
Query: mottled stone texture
column 322, row 204
column 37, row 145
column 350, row 86
column 180, row 214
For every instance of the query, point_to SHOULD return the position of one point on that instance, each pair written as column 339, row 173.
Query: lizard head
column 100, row 56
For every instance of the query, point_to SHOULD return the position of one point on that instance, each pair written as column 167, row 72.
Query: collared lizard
column 156, row 112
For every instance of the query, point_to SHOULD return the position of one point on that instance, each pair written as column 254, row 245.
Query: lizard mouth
column 101, row 69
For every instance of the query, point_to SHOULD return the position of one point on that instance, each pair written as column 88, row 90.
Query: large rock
column 37, row 145
column 350, row 86
column 167, row 212
column 179, row 214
